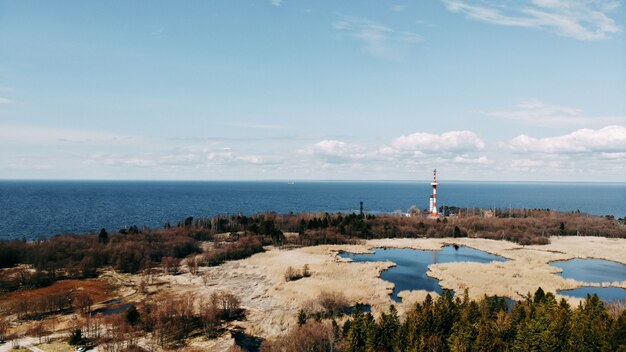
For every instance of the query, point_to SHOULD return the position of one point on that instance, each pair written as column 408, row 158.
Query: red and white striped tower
column 433, row 208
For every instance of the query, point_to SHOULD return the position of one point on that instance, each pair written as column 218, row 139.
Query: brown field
column 98, row 291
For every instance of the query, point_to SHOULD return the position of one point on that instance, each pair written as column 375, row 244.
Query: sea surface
column 36, row 209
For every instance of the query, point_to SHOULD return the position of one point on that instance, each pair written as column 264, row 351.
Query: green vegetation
column 539, row 323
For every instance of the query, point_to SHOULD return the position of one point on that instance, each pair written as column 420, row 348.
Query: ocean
column 37, row 209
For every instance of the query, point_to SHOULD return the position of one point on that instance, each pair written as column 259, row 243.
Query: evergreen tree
column 387, row 331
column 301, row 317
column 355, row 341
column 618, row 333
column 463, row 336
column 589, row 327
column 103, row 237
column 132, row 315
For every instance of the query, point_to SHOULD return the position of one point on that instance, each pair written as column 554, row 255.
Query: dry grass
column 97, row 290
column 56, row 346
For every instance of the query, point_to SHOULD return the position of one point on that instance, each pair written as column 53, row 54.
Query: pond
column 412, row 265
column 112, row 307
column 606, row 294
column 592, row 270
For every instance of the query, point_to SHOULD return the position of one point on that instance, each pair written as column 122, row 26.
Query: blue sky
column 268, row 89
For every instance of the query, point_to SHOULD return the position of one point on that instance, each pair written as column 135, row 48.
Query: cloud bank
column 610, row 139
column 583, row 151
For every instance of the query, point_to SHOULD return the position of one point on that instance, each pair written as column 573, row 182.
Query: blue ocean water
column 32, row 209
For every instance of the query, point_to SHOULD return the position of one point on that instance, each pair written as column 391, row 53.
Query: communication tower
column 433, row 199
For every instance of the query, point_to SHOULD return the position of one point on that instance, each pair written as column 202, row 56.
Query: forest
column 539, row 323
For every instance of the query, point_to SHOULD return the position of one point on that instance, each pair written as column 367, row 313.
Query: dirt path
column 25, row 342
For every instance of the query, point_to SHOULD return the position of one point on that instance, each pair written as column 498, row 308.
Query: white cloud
column 225, row 157
column 378, row 39
column 465, row 159
column 452, row 141
column 526, row 164
column 538, row 113
column 276, row 2
column 398, row 8
column 332, row 147
column 5, row 101
column 228, row 156
column 334, row 151
column 45, row 135
column 613, row 156
column 610, row 139
column 582, row 20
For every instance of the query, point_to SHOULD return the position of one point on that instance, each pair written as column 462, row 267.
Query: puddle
column 113, row 307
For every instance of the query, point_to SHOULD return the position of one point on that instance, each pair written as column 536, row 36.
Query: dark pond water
column 114, row 306
column 365, row 308
column 592, row 270
column 606, row 294
column 412, row 265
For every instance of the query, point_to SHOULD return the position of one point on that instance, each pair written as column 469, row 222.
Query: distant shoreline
column 35, row 208
column 416, row 181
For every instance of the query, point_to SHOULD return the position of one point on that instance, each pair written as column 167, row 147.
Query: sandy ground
column 272, row 303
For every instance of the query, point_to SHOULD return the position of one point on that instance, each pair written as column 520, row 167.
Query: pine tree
column 618, row 333
column 462, row 337
column 387, row 330
column 301, row 317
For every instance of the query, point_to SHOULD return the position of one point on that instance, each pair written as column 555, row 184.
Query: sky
column 482, row 90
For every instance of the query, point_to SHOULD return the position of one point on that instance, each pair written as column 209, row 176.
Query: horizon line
column 293, row 180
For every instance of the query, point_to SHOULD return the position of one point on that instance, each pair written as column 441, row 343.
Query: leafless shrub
column 326, row 305
column 312, row 336
column 170, row 265
column 615, row 308
column 292, row 274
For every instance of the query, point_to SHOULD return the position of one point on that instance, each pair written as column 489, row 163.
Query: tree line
column 539, row 323
column 134, row 249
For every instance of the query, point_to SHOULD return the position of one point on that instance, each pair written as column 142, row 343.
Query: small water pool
column 606, row 294
column 592, row 270
column 115, row 306
column 412, row 265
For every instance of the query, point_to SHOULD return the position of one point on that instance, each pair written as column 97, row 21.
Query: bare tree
column 4, row 328
column 192, row 264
